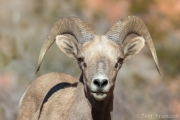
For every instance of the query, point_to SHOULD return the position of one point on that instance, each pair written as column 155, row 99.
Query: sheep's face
column 100, row 60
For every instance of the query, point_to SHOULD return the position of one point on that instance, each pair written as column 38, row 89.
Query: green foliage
column 8, row 50
column 2, row 110
column 169, row 59
column 140, row 6
column 139, row 81
column 176, row 23
column 157, row 34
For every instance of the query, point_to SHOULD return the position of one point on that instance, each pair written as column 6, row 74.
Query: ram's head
column 99, row 56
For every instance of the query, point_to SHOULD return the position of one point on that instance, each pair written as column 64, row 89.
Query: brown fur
column 69, row 103
column 59, row 96
column 38, row 91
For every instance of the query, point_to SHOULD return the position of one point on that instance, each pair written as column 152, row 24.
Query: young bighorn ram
column 57, row 96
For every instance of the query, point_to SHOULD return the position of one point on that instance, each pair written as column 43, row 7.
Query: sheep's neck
column 102, row 110
column 98, row 110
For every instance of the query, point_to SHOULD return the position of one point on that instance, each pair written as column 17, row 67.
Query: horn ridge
column 129, row 25
column 67, row 25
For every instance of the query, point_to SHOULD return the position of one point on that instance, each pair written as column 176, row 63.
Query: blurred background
column 24, row 25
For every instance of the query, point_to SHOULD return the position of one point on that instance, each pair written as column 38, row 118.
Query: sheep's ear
column 133, row 47
column 67, row 46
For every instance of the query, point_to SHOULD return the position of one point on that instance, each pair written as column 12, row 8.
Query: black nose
column 100, row 83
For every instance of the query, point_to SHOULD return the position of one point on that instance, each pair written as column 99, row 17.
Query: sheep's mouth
column 99, row 96
column 99, row 92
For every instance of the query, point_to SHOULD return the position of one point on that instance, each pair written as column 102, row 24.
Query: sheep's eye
column 116, row 65
column 85, row 65
column 80, row 60
column 120, row 60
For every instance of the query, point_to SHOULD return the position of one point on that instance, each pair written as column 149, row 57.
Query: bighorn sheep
column 59, row 96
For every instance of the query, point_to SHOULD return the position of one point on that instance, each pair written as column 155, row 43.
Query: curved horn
column 68, row 25
column 132, row 24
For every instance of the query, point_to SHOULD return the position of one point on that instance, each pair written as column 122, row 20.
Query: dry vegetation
column 24, row 26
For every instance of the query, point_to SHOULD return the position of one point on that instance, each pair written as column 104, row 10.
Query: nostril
column 97, row 82
column 100, row 83
column 104, row 83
